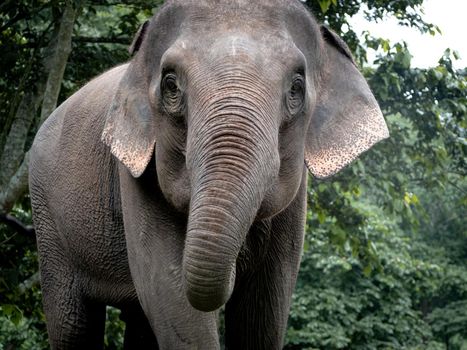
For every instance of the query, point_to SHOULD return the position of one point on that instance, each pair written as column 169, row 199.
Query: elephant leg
column 176, row 324
column 72, row 321
column 256, row 314
column 156, row 268
column 179, row 326
column 138, row 331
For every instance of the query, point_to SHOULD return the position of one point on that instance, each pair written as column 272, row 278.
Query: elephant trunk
column 236, row 161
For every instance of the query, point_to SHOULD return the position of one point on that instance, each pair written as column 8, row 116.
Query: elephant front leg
column 155, row 243
column 256, row 314
column 73, row 321
column 176, row 324
column 138, row 332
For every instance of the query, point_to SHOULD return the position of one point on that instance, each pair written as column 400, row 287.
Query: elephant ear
column 129, row 128
column 138, row 39
column 347, row 119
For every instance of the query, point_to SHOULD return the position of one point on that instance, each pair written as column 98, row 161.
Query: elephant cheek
column 173, row 179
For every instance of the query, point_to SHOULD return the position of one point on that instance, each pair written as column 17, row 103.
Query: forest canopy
column 385, row 257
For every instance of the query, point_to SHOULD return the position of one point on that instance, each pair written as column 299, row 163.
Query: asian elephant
column 176, row 183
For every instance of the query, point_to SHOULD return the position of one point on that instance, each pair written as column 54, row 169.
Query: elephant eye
column 169, row 87
column 169, row 84
column 296, row 95
column 172, row 99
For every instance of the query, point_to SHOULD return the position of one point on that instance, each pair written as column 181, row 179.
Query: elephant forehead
column 251, row 17
column 260, row 30
column 238, row 42
column 231, row 10
column 236, row 47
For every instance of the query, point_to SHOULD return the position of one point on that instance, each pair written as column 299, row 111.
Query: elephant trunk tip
column 208, row 295
column 207, row 303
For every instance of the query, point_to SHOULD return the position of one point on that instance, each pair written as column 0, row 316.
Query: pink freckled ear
column 129, row 129
column 347, row 119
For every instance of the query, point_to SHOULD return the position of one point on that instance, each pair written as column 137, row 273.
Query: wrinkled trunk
column 233, row 163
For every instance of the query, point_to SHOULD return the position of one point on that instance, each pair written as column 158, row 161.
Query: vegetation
column 385, row 256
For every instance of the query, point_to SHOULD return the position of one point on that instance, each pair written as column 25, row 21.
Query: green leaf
column 13, row 313
column 324, row 5
column 321, row 217
column 367, row 270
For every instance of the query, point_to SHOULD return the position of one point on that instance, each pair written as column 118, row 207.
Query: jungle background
column 385, row 257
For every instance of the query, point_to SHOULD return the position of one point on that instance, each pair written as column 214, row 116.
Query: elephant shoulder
column 99, row 91
column 84, row 110
column 89, row 104
column 72, row 132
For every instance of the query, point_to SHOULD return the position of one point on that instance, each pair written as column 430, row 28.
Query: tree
column 39, row 40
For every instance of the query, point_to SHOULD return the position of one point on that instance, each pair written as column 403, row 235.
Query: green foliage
column 114, row 329
column 114, row 27
column 22, row 36
column 385, row 261
column 21, row 335
column 339, row 303
column 21, row 317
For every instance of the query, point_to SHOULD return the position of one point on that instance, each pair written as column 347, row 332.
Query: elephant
column 175, row 184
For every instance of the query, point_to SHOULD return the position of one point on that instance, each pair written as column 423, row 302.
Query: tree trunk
column 57, row 63
column 14, row 163
column 13, row 151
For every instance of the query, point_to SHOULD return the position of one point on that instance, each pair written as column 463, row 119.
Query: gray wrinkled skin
column 176, row 183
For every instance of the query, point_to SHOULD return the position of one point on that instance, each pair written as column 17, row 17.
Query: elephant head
column 234, row 98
